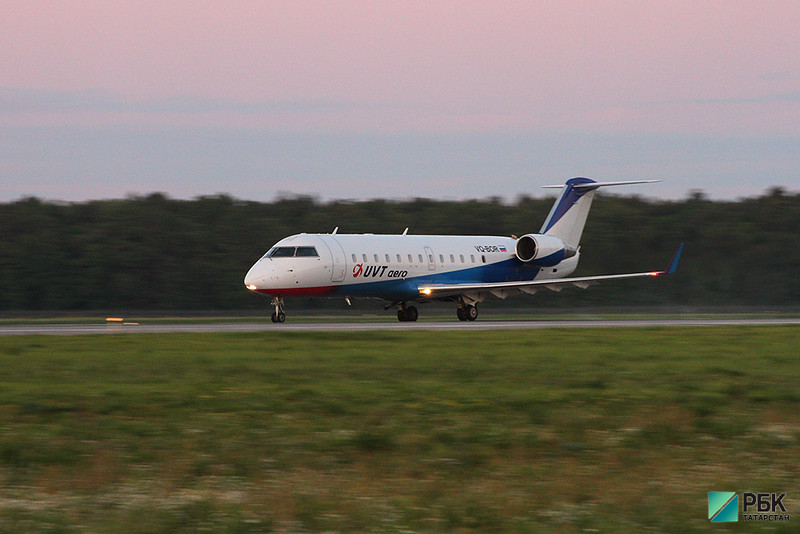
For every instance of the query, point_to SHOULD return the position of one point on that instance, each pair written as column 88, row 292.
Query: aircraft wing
column 500, row 289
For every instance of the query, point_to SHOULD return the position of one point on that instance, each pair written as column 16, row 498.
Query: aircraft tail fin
column 568, row 215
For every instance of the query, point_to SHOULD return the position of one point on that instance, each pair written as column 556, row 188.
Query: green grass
column 519, row 431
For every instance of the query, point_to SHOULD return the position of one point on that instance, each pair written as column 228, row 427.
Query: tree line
column 157, row 253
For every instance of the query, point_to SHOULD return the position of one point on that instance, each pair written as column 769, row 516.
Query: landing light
column 655, row 273
column 425, row 291
column 252, row 287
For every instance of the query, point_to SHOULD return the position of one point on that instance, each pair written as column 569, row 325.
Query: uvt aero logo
column 723, row 506
column 376, row 271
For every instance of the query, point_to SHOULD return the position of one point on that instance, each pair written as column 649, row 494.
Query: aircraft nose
column 255, row 278
column 262, row 277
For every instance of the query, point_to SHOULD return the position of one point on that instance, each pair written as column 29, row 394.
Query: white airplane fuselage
column 392, row 267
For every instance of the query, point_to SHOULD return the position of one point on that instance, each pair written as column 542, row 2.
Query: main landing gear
column 467, row 312
column 278, row 316
column 407, row 313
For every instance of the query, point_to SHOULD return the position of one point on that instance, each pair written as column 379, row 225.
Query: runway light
column 425, row 291
column 252, row 287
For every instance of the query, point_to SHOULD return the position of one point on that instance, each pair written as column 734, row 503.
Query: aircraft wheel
column 281, row 317
column 411, row 313
column 471, row 312
column 401, row 315
column 274, row 317
column 462, row 315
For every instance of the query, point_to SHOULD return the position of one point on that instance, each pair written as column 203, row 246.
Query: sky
column 385, row 99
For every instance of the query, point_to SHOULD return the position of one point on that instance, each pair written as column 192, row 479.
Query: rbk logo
column 723, row 506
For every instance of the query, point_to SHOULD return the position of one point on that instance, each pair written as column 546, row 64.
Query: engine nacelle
column 540, row 249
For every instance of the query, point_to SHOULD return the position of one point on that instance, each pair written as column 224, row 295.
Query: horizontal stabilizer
column 595, row 185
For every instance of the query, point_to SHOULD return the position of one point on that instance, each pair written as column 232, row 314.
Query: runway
column 196, row 328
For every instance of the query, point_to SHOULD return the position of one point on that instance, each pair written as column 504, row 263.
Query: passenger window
column 354, row 258
column 472, row 257
column 410, row 260
column 430, row 258
column 441, row 258
column 398, row 258
column 420, row 258
column 365, row 257
column 462, row 258
column 452, row 259
column 483, row 258
column 307, row 252
column 376, row 258
column 387, row 259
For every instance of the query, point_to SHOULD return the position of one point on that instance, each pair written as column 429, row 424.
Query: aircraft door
column 339, row 263
column 431, row 259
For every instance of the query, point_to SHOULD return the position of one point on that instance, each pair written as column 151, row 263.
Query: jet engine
column 540, row 249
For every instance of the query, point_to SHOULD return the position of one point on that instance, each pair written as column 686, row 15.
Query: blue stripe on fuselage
column 511, row 270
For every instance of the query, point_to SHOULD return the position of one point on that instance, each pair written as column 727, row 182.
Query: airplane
column 466, row 270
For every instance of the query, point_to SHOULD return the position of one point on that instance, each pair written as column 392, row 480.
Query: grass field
column 520, row 431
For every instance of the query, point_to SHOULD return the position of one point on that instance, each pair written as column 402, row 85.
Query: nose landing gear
column 278, row 316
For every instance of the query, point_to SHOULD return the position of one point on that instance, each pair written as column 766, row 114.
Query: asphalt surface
column 112, row 328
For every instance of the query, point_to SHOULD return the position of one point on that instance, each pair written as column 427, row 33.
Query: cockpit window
column 307, row 252
column 282, row 252
column 290, row 252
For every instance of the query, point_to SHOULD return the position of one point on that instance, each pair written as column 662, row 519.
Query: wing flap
column 530, row 287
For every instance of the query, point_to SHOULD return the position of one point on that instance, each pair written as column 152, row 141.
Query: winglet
column 673, row 265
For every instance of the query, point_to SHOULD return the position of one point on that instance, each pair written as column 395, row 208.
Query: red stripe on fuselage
column 297, row 291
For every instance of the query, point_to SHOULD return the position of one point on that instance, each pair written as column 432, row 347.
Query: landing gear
column 278, row 316
column 407, row 313
column 467, row 312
